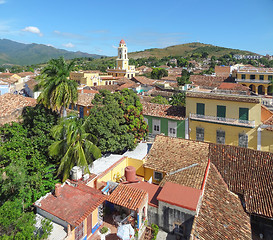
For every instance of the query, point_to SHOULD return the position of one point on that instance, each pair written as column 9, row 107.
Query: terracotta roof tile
column 164, row 111
column 74, row 204
column 85, row 99
column 127, row 196
column 247, row 172
column 31, row 84
column 169, row 154
column 152, row 189
column 232, row 86
column 208, row 81
column 226, row 97
column 144, row 80
column 12, row 106
column 266, row 114
column 221, row 215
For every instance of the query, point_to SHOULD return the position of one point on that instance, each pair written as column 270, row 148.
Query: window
column 261, row 77
column 156, row 128
column 243, row 76
column 270, row 77
column 243, row 113
column 220, row 136
column 200, row 108
column 200, row 134
column 79, row 231
column 221, row 111
column 75, row 107
column 252, row 77
column 243, row 140
column 158, row 176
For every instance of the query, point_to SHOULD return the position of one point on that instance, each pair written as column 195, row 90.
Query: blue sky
column 98, row 26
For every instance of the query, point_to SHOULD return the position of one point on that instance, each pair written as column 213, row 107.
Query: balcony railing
column 252, row 80
column 229, row 121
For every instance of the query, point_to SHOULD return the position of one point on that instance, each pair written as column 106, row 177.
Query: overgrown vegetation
column 26, row 172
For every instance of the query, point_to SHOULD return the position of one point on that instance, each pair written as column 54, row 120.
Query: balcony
column 252, row 81
column 220, row 120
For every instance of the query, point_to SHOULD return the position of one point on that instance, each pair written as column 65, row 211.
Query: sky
column 96, row 27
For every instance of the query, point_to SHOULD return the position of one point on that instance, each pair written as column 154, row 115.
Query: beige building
column 91, row 78
column 123, row 69
column 259, row 80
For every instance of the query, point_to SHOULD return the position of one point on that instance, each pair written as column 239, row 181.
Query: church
column 123, row 69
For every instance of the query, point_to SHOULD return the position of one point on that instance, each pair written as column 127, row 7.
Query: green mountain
column 186, row 50
column 12, row 52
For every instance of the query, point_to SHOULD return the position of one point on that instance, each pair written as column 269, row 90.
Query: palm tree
column 73, row 145
column 58, row 90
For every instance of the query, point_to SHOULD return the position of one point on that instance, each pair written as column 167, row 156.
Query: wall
column 150, row 173
column 232, row 108
column 164, row 125
column 232, row 111
column 170, row 214
column 231, row 133
column 118, row 169
column 267, row 140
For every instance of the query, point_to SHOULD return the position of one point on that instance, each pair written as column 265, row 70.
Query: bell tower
column 122, row 60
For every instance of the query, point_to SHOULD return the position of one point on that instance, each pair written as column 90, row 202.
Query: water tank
column 76, row 173
column 130, row 174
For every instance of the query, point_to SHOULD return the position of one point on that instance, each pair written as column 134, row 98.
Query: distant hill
column 187, row 49
column 12, row 52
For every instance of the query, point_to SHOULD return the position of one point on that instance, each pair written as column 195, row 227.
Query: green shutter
column 243, row 113
column 200, row 108
column 221, row 111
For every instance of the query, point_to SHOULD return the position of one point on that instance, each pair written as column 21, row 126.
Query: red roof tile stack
column 208, row 81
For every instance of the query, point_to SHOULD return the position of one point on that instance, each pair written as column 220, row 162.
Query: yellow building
column 257, row 79
column 228, row 119
column 91, row 78
column 123, row 69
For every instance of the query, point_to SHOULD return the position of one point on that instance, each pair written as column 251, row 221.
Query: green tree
column 73, row 145
column 58, row 91
column 184, row 79
column 158, row 73
column 113, row 120
column 178, row 99
column 159, row 100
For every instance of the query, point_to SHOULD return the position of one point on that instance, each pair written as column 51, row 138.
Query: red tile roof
column 87, row 91
column 74, row 204
column 232, row 86
column 85, row 99
column 221, row 215
column 181, row 196
column 128, row 197
column 266, row 114
column 208, row 81
column 167, row 155
column 152, row 189
column 12, row 106
column 162, row 110
column 247, row 172
column 238, row 98
column 144, row 80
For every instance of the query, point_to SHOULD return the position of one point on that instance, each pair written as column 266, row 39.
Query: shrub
column 104, row 230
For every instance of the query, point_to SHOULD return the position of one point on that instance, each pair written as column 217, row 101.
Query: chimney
column 58, row 189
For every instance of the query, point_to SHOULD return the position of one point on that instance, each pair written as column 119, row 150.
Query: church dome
column 122, row 41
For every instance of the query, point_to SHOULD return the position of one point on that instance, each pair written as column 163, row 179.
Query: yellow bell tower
column 122, row 60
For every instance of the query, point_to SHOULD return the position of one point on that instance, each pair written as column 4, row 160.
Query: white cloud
column 69, row 45
column 32, row 30
column 2, row 1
